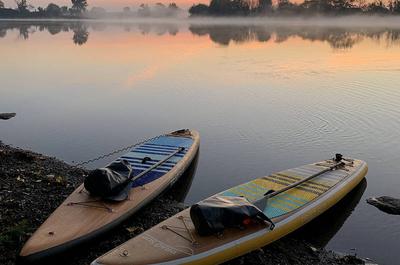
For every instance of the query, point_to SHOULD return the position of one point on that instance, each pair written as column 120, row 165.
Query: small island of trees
column 285, row 7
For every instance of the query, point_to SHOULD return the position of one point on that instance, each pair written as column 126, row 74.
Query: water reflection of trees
column 27, row 28
column 3, row 33
column 158, row 29
column 338, row 38
column 81, row 34
column 81, row 29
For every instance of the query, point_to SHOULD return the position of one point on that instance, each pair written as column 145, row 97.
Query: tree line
column 286, row 7
column 25, row 9
column 79, row 8
column 158, row 10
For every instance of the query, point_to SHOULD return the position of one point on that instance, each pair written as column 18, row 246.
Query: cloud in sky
column 109, row 4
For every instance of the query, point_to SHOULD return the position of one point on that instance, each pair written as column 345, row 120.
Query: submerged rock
column 7, row 116
column 386, row 204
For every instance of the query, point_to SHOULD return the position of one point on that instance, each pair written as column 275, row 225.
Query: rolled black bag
column 214, row 214
column 110, row 180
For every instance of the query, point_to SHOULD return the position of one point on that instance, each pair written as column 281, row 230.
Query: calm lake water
column 265, row 97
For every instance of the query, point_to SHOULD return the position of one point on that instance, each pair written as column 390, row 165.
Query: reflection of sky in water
column 263, row 98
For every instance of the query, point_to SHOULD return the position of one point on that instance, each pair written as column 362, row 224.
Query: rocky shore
column 33, row 185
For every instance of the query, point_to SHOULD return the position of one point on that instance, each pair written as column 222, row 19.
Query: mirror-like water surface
column 265, row 97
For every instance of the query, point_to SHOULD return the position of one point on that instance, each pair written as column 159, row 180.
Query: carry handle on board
column 261, row 203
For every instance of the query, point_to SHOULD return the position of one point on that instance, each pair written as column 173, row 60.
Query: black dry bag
column 109, row 181
column 214, row 214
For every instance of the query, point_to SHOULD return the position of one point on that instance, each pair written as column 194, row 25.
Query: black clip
column 338, row 157
column 145, row 159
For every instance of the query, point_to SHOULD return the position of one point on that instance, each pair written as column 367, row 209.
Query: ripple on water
column 350, row 114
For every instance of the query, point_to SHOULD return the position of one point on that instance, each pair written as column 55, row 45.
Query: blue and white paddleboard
column 159, row 162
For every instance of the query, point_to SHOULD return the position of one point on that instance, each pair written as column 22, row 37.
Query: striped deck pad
column 293, row 198
column 156, row 149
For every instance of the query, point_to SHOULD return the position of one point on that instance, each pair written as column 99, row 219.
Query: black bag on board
column 109, row 181
column 214, row 214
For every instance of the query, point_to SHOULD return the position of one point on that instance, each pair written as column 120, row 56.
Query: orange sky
column 110, row 4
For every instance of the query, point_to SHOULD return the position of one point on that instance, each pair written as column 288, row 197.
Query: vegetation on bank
column 286, row 7
column 79, row 9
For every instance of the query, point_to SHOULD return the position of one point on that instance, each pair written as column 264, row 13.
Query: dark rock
column 24, row 156
column 386, row 204
column 352, row 260
column 7, row 116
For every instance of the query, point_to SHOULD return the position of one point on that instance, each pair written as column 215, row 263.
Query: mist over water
column 265, row 94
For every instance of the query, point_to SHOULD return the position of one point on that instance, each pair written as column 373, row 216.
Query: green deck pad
column 293, row 198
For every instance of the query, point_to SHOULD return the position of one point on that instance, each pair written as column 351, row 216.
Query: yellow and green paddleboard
column 175, row 240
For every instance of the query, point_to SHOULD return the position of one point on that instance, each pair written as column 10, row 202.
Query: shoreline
column 33, row 185
column 344, row 21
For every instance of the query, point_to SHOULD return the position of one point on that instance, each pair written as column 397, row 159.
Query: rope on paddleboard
column 192, row 240
column 90, row 204
column 117, row 151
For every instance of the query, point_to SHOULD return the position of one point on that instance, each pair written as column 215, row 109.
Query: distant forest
column 24, row 9
column 79, row 9
column 286, row 8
